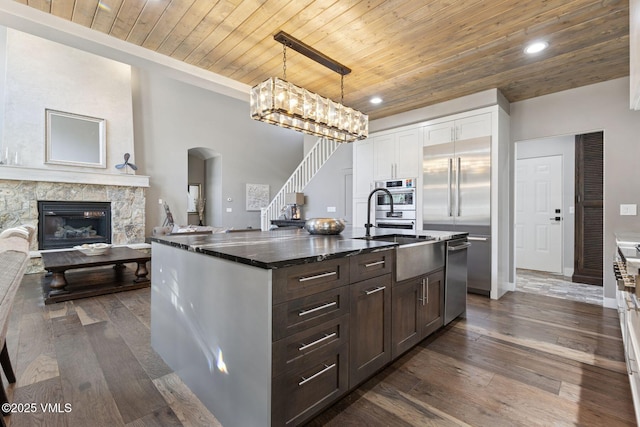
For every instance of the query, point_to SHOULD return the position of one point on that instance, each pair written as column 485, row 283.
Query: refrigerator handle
column 458, row 185
column 449, row 188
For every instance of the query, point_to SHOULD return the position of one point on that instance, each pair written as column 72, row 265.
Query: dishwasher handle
column 458, row 247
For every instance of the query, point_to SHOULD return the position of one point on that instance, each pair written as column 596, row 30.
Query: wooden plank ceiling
column 411, row 53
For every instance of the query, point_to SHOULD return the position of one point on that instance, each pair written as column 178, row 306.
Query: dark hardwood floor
column 523, row 360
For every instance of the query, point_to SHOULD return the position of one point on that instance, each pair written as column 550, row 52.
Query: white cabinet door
column 473, row 127
column 384, row 157
column 408, row 154
column 439, row 133
column 363, row 168
column 466, row 128
column 360, row 212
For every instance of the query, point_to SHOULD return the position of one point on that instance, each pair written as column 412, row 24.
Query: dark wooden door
column 589, row 209
column 370, row 328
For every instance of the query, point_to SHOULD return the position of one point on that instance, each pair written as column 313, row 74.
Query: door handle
column 458, row 185
column 449, row 189
column 458, row 247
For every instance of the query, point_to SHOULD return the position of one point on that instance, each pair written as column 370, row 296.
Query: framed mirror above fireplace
column 75, row 140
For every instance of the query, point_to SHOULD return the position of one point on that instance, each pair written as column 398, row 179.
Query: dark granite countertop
column 287, row 247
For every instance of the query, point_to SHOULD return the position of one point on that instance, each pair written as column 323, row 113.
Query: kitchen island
column 258, row 324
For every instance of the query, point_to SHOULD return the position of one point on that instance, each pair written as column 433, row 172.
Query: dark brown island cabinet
column 303, row 335
column 418, row 310
column 337, row 323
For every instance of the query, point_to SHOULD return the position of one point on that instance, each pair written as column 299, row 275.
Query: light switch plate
column 229, row 209
column 629, row 209
column 331, row 208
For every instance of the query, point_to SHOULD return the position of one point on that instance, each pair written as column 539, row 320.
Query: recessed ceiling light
column 536, row 47
column 375, row 100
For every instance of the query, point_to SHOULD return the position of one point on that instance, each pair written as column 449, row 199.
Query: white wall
column 602, row 106
column 563, row 146
column 3, row 77
column 170, row 117
column 634, row 50
column 41, row 74
column 327, row 188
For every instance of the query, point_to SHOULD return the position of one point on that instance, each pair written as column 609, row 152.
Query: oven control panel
column 397, row 183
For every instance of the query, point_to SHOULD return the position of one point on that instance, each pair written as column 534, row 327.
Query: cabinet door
column 406, row 320
column 384, row 157
column 360, row 212
column 432, row 303
column 473, row 127
column 370, row 328
column 408, row 154
column 362, row 168
column 439, row 133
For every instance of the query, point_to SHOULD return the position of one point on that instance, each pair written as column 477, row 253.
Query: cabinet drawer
column 294, row 352
column 307, row 279
column 302, row 313
column 371, row 265
column 299, row 395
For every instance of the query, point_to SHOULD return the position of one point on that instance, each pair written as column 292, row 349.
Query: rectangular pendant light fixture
column 284, row 104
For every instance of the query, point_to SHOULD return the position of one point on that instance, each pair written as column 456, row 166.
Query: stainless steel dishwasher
column 455, row 284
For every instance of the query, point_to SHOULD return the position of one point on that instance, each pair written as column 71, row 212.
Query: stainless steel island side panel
column 211, row 323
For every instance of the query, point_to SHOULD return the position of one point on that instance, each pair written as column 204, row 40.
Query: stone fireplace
column 19, row 203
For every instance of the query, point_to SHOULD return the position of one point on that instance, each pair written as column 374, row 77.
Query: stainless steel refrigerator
column 457, row 196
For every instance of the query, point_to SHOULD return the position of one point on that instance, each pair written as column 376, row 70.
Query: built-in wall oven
column 403, row 193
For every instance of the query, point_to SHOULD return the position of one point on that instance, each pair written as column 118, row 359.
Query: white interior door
column 538, row 229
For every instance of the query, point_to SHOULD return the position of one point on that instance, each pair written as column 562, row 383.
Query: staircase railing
column 308, row 167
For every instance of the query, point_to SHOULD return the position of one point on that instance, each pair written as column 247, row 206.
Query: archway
column 203, row 176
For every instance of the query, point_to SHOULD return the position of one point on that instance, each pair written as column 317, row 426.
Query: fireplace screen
column 67, row 224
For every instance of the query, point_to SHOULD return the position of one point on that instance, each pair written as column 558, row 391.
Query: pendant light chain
column 284, row 61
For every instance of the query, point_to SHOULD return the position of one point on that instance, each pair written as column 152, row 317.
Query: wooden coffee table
column 92, row 281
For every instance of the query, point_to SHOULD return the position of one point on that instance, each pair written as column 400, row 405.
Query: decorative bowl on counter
column 324, row 225
column 93, row 248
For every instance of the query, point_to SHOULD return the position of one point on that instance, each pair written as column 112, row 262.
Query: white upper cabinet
column 397, row 155
column 439, row 133
column 473, row 127
column 455, row 130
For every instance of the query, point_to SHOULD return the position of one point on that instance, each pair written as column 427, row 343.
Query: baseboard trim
column 609, row 303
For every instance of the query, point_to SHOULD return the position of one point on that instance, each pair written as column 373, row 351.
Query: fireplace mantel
column 19, row 173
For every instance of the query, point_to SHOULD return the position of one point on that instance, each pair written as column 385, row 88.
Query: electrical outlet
column 631, row 209
column 331, row 208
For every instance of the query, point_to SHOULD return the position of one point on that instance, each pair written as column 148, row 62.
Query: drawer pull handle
column 313, row 310
column 318, row 341
column 374, row 290
column 317, row 374
column 318, row 276
column 373, row 264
